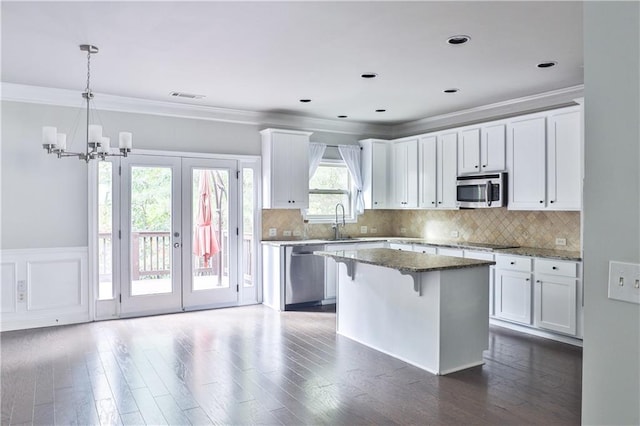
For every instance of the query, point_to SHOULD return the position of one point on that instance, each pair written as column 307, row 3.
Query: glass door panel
column 152, row 230
column 210, row 217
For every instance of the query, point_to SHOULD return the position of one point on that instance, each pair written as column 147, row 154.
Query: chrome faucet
column 336, row 226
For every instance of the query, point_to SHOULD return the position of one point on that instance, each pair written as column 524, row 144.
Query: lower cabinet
column 331, row 268
column 545, row 294
column 513, row 296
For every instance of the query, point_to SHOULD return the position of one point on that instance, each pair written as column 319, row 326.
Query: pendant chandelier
column 97, row 146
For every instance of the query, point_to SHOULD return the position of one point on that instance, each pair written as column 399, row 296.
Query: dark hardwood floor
column 252, row 365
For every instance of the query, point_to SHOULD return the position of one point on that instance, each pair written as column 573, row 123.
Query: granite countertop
column 495, row 248
column 404, row 261
column 547, row 253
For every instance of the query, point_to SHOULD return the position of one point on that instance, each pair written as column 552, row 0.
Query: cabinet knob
column 541, row 201
column 475, row 167
column 554, row 268
column 527, row 279
column 513, row 263
column 293, row 201
column 289, row 201
column 552, row 201
column 484, row 165
column 538, row 281
column 375, row 202
column 433, row 202
column 439, row 202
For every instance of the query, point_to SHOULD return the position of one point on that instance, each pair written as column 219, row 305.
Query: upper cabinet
column 375, row 173
column 285, row 169
column 482, row 148
column 437, row 170
column 544, row 161
column 404, row 174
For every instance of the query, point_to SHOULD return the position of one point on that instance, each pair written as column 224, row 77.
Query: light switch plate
column 363, row 229
column 286, row 233
column 374, row 230
column 403, row 230
column 624, row 281
column 297, row 233
column 455, row 234
column 273, row 232
column 561, row 241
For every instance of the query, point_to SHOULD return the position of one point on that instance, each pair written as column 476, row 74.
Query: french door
column 179, row 234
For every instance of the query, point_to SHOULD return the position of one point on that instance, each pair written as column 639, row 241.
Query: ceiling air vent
column 186, row 95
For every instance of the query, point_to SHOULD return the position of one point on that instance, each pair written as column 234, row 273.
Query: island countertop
column 404, row 261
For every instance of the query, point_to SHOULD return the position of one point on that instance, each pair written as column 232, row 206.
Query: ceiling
column 266, row 56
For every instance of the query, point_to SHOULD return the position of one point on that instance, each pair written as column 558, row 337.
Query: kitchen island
column 428, row 310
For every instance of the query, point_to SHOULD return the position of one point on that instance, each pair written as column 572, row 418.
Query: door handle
column 176, row 245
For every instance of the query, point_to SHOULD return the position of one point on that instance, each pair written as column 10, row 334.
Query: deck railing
column 154, row 256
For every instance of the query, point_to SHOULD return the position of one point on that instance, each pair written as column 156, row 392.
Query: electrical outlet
column 561, row 241
column 403, row 230
column 286, row 233
column 455, row 234
column 297, row 233
column 363, row 229
column 374, row 230
column 22, row 291
column 624, row 281
column 273, row 232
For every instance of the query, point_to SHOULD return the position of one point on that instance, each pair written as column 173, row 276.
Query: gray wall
column 44, row 200
column 611, row 372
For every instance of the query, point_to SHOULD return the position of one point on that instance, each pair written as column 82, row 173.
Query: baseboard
column 536, row 332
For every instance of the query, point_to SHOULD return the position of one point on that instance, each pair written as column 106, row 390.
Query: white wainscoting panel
column 48, row 286
column 8, row 286
column 54, row 284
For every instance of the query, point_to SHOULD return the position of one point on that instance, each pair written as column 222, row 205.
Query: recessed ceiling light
column 304, row 101
column 458, row 39
column 453, row 90
column 547, row 64
column 369, row 75
column 342, row 116
column 380, row 110
column 186, row 95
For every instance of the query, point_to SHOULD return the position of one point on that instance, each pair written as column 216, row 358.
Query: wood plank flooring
column 251, row 365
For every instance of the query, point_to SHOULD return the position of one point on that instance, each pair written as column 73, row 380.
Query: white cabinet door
column 526, row 162
column 513, row 296
column 493, row 148
column 405, row 174
column 375, row 173
column 564, row 141
column 469, row 151
column 427, row 148
column 285, row 169
column 448, row 170
column 555, row 303
column 298, row 157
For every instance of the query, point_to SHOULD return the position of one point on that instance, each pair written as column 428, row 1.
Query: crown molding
column 495, row 111
column 71, row 98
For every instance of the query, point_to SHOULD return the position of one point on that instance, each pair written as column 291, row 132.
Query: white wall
column 44, row 199
column 611, row 363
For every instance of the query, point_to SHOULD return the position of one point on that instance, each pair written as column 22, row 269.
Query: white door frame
column 110, row 309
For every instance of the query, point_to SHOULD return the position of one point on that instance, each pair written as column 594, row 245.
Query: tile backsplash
column 494, row 226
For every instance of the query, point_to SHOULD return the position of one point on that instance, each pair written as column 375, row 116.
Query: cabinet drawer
column 556, row 267
column 424, row 249
column 513, row 263
column 478, row 255
column 401, row 246
column 450, row 252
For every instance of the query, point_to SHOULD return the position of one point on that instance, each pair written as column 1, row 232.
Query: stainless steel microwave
column 482, row 191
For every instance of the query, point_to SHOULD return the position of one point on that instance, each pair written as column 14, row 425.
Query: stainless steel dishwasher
column 305, row 275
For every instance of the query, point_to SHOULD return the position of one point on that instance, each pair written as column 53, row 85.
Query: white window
column 331, row 184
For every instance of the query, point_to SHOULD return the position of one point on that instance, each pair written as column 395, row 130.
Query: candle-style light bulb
column 61, row 141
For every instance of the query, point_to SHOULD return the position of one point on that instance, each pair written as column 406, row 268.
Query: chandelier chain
column 88, row 71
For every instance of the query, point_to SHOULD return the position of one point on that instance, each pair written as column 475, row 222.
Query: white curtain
column 316, row 151
column 351, row 156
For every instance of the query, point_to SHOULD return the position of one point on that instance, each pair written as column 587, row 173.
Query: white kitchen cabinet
column 526, row 156
column 426, row 249
column 438, row 170
column 544, row 161
column 400, row 246
column 375, row 173
column 556, row 295
column 481, row 149
column 513, row 289
column 564, row 171
column 285, row 169
column 404, row 174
